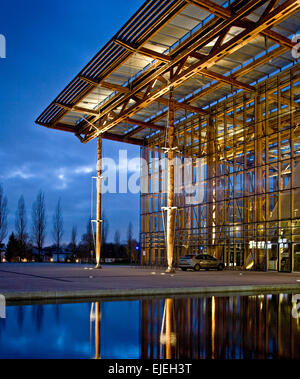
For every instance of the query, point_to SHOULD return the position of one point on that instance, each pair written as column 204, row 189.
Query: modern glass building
column 214, row 87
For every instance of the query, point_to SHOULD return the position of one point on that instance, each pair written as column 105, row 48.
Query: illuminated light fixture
column 260, row 245
column 171, row 339
column 283, row 243
column 250, row 265
column 52, row 260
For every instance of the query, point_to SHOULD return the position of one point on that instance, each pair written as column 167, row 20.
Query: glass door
column 285, row 250
column 273, row 257
column 296, row 247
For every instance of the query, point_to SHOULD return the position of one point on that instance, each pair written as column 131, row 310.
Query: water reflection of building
column 220, row 327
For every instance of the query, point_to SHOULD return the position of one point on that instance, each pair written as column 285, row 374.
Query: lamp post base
column 170, row 270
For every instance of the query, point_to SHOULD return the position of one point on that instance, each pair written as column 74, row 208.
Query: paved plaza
column 42, row 281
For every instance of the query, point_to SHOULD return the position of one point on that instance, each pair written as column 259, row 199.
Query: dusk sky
column 48, row 43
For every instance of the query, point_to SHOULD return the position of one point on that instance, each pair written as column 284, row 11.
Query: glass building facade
column 248, row 213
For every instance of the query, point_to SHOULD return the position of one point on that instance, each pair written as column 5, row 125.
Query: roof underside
column 205, row 50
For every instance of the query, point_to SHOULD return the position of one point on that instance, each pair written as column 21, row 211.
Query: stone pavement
column 61, row 281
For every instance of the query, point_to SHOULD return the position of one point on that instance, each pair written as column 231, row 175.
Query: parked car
column 199, row 262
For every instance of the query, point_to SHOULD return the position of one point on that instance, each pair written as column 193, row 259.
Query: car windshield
column 201, row 257
column 188, row 257
column 210, row 258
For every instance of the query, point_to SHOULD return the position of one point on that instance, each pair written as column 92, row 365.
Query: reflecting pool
column 215, row 327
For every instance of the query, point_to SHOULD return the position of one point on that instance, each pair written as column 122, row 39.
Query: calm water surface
column 259, row 326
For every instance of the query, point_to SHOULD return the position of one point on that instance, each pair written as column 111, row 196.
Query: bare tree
column 3, row 216
column 104, row 228
column 39, row 222
column 74, row 238
column 58, row 227
column 129, row 241
column 21, row 221
column 88, row 240
column 129, row 233
column 117, row 241
column 117, row 237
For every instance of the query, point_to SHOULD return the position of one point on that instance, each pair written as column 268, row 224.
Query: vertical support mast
column 170, row 207
column 211, row 184
column 99, row 198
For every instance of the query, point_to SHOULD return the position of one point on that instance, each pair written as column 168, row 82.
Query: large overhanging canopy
column 205, row 50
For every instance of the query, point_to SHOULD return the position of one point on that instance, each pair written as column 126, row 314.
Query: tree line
column 27, row 242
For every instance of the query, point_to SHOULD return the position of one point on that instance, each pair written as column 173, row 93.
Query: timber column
column 171, row 210
column 99, row 198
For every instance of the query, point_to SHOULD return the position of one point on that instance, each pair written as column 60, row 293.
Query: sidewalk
column 58, row 281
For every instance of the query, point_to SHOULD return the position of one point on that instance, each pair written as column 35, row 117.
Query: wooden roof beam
column 226, row 13
column 133, row 132
column 190, row 49
column 107, row 85
column 91, row 81
column 220, row 77
column 114, row 137
column 144, row 125
column 212, row 7
column 178, row 105
column 227, row 80
column 281, row 13
column 141, row 126
column 144, row 51
column 182, row 105
column 243, row 71
column 274, row 36
column 115, row 87
column 77, row 109
column 165, row 102
column 190, row 108
column 174, row 10
column 108, row 136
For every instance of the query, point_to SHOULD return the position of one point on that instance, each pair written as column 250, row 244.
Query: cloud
column 66, row 175
column 20, row 174
column 63, row 181
column 84, row 170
